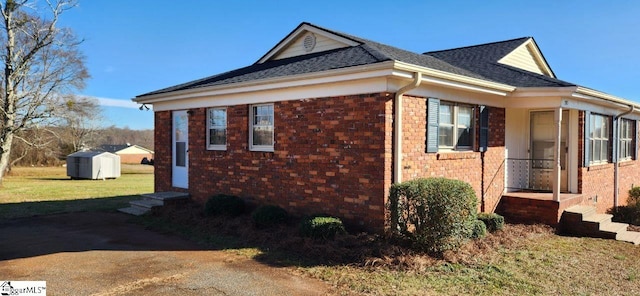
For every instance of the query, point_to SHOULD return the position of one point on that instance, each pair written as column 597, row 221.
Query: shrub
column 629, row 214
column 223, row 204
column 268, row 216
column 479, row 229
column 322, row 227
column 634, row 196
column 436, row 214
column 492, row 221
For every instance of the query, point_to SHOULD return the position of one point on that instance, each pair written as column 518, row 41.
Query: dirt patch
column 104, row 254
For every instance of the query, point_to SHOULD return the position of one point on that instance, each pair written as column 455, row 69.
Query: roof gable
column 485, row 60
column 333, row 51
column 528, row 57
column 307, row 39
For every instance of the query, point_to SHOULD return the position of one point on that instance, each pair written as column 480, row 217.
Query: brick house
column 326, row 122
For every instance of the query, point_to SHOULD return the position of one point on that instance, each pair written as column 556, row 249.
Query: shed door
column 180, row 159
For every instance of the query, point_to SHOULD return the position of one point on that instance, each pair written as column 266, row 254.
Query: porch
column 536, row 207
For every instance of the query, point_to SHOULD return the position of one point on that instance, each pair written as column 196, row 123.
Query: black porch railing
column 529, row 174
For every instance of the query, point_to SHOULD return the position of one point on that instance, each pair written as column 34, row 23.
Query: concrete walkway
column 102, row 254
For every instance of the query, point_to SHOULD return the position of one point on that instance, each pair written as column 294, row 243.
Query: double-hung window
column 599, row 126
column 261, row 137
column 627, row 147
column 455, row 126
column 217, row 128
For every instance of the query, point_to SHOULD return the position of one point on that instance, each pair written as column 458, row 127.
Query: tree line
column 56, row 142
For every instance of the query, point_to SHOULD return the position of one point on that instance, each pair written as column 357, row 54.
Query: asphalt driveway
column 102, row 254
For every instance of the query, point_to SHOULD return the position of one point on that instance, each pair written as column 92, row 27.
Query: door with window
column 542, row 143
column 180, row 150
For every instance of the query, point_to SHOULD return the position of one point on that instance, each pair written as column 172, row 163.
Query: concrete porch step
column 147, row 203
column 584, row 221
column 629, row 236
column 582, row 211
column 153, row 200
column 136, row 211
column 166, row 196
column 612, row 229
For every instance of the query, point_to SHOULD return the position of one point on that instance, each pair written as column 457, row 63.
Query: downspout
column 397, row 126
column 616, row 142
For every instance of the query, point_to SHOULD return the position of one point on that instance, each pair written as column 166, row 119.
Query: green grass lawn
column 29, row 191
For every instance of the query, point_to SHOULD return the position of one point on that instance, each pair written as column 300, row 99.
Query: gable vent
column 309, row 42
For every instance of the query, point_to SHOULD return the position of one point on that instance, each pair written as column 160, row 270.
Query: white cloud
column 117, row 103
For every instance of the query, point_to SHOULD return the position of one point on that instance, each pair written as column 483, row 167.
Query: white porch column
column 556, row 154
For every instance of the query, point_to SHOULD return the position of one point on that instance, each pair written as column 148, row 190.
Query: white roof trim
column 577, row 92
column 299, row 32
column 428, row 72
column 582, row 92
column 337, row 75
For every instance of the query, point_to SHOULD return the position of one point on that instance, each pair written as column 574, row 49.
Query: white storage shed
column 93, row 165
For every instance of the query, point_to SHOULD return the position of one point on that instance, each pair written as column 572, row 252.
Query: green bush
column 629, row 214
column 322, row 227
column 436, row 214
column 493, row 221
column 268, row 216
column 479, row 229
column 223, row 204
column 634, row 196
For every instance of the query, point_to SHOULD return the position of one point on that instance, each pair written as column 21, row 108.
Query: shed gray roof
column 478, row 61
column 90, row 154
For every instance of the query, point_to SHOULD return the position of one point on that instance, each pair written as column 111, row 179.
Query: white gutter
column 454, row 77
column 397, row 126
column 604, row 96
column 616, row 143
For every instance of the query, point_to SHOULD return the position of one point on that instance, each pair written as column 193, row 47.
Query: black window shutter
column 484, row 128
column 433, row 120
column 587, row 142
column 634, row 138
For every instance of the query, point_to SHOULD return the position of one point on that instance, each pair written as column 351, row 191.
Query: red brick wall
column 330, row 157
column 162, row 146
column 596, row 183
column 466, row 166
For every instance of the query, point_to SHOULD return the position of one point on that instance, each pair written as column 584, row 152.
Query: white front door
column 180, row 149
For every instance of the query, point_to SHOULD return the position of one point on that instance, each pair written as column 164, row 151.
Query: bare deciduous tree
column 41, row 63
column 80, row 121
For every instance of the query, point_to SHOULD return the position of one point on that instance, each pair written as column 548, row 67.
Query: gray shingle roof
column 475, row 61
column 483, row 60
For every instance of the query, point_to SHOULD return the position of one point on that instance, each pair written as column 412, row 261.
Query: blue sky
column 133, row 47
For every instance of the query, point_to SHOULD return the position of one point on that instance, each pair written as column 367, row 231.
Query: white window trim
column 604, row 138
column 456, row 125
column 262, row 148
column 624, row 138
column 216, row 147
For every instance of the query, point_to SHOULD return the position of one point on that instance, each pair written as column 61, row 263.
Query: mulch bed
column 359, row 249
